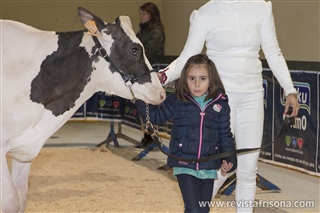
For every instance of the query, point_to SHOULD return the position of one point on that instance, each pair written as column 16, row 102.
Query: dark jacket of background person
column 185, row 133
column 153, row 40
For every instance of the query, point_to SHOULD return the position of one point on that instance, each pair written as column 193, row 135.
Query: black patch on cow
column 63, row 74
column 126, row 55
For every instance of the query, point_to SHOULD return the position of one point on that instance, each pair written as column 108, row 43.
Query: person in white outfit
column 234, row 31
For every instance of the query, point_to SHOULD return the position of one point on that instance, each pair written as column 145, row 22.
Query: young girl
column 201, row 127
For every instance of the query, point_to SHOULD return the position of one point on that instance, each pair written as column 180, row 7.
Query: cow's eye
column 134, row 50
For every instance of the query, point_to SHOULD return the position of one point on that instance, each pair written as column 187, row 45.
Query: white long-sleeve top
column 234, row 32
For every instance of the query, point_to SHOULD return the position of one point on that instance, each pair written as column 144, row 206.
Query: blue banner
column 318, row 117
column 267, row 83
column 299, row 145
column 101, row 107
column 130, row 116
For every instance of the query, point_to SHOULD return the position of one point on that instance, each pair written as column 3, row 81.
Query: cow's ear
column 112, row 27
column 124, row 21
column 90, row 21
column 117, row 21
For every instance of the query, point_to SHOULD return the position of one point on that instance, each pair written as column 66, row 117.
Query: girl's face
column 144, row 16
column 198, row 80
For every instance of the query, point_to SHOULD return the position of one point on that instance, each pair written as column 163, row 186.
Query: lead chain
column 148, row 123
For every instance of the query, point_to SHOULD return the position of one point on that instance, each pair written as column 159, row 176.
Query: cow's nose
column 162, row 95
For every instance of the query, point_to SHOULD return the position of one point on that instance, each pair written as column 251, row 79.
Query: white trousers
column 247, row 114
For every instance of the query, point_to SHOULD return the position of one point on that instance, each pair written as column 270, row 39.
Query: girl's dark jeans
column 196, row 193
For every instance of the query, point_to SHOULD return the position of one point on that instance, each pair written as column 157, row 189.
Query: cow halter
column 129, row 81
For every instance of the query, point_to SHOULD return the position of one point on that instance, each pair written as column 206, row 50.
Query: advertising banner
column 267, row 82
column 102, row 106
column 299, row 145
column 130, row 116
column 318, row 129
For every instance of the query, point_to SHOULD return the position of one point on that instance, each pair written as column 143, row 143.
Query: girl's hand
column 225, row 167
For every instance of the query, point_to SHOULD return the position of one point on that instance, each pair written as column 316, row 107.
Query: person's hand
column 292, row 101
column 225, row 167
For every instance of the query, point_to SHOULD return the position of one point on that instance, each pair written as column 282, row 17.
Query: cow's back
column 23, row 41
column 23, row 51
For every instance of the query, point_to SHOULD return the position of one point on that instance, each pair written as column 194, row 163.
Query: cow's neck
column 61, row 80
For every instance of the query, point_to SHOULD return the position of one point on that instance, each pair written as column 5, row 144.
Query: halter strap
column 129, row 81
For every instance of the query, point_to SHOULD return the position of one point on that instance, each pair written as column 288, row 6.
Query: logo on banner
column 115, row 104
column 265, row 88
column 108, row 104
column 130, row 111
column 102, row 103
column 296, row 143
column 304, row 95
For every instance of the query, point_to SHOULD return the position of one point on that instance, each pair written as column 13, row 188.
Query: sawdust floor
column 106, row 180
column 82, row 180
column 69, row 178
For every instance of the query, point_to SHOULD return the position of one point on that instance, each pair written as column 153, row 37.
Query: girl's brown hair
column 215, row 83
column 154, row 12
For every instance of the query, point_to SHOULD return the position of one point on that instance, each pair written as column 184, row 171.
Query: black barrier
column 318, row 131
column 101, row 107
column 267, row 83
column 300, row 147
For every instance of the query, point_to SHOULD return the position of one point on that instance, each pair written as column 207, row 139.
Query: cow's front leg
column 9, row 197
column 20, row 175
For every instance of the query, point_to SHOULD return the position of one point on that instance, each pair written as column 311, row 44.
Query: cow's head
column 126, row 58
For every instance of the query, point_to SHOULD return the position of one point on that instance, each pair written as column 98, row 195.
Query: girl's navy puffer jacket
column 195, row 133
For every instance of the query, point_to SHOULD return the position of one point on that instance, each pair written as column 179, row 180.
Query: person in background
column 151, row 34
column 234, row 31
column 200, row 114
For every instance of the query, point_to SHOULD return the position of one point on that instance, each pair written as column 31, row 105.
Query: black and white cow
column 46, row 76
